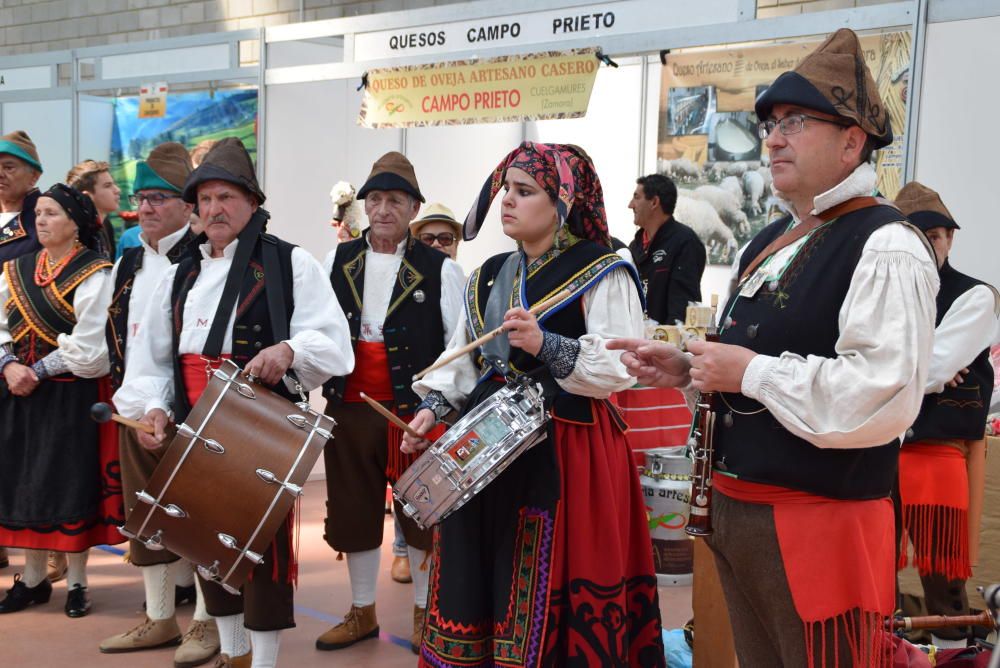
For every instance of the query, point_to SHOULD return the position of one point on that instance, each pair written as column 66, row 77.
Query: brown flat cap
column 227, row 161
column 923, row 207
column 835, row 80
column 392, row 172
column 19, row 145
column 167, row 168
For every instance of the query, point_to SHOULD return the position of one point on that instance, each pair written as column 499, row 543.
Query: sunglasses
column 444, row 238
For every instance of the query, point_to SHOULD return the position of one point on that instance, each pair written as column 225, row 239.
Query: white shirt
column 154, row 263
column 84, row 351
column 612, row 310
column 871, row 392
column 319, row 336
column 381, row 270
column 965, row 331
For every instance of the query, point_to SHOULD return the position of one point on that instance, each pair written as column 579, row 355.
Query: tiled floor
column 43, row 636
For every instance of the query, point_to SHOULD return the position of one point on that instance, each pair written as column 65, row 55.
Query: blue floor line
column 309, row 612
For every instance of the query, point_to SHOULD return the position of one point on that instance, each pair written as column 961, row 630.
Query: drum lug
column 211, row 444
column 171, row 509
column 231, row 543
column 154, row 542
column 302, row 422
column 210, row 573
column 125, row 532
column 229, row 588
column 214, row 446
column 267, row 476
column 183, row 429
column 246, row 390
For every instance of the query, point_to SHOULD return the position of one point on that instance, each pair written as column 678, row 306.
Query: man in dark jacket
column 669, row 255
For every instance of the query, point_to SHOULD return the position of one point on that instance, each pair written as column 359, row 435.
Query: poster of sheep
column 708, row 141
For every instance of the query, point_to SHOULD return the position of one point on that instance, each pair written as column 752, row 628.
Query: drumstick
column 390, row 416
column 102, row 412
column 469, row 347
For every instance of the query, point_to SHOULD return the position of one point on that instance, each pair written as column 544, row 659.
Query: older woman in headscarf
column 59, row 482
column 513, row 584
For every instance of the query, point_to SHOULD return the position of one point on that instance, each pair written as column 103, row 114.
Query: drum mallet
column 390, row 416
column 101, row 412
column 469, row 347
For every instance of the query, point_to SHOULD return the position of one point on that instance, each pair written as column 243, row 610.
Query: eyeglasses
column 791, row 124
column 154, row 199
column 444, row 238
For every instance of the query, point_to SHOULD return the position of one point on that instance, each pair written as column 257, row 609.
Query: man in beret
column 403, row 301
column 197, row 294
column 945, row 444
column 19, row 172
column 163, row 219
column 823, row 352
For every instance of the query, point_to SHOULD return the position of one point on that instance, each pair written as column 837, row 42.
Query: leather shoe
column 359, row 624
column 77, row 603
column 226, row 661
column 149, row 634
column 418, row 628
column 4, row 561
column 400, row 570
column 200, row 644
column 20, row 596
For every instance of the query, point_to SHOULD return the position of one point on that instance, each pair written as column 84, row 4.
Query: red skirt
column 551, row 563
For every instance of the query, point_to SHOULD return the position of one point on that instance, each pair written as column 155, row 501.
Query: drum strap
column 275, row 294
column 496, row 351
column 241, row 263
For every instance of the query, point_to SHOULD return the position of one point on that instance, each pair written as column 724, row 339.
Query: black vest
column 413, row 330
column 18, row 236
column 116, row 331
column 956, row 412
column 799, row 314
column 669, row 281
column 252, row 328
column 47, row 312
column 577, row 268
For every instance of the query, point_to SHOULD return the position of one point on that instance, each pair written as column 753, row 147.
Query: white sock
column 265, row 648
column 183, row 573
column 363, row 570
column 947, row 644
column 159, row 591
column 200, row 613
column 421, row 574
column 36, row 566
column 232, row 636
column 76, row 571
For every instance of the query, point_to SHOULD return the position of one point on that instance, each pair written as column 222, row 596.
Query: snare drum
column 472, row 453
column 229, row 477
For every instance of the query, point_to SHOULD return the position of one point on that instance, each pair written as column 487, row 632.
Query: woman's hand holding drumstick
column 472, row 345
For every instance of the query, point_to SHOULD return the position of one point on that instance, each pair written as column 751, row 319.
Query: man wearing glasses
column 163, row 219
column 403, row 301
column 438, row 229
column 823, row 354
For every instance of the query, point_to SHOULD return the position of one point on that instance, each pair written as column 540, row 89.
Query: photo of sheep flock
column 708, row 143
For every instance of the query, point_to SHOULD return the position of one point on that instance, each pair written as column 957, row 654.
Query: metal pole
column 261, row 107
column 914, row 89
column 643, row 103
column 74, row 105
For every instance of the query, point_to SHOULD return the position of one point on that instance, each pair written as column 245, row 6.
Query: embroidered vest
column 577, row 268
column 36, row 316
column 799, row 313
column 116, row 331
column 413, row 330
column 956, row 412
column 252, row 328
column 18, row 236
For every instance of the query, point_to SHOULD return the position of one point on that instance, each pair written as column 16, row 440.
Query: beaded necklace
column 46, row 271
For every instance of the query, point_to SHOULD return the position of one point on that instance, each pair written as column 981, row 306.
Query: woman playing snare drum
column 513, row 584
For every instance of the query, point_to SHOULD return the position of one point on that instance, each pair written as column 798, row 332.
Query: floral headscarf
column 566, row 173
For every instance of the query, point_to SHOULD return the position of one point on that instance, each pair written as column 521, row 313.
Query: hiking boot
column 359, row 624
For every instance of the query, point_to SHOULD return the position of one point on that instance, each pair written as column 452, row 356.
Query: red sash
column 934, row 490
column 370, row 375
column 838, row 558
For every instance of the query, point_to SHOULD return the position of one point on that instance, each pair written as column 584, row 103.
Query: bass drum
column 666, row 486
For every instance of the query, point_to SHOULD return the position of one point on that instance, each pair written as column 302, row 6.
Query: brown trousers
column 355, row 483
column 767, row 630
column 266, row 601
column 138, row 465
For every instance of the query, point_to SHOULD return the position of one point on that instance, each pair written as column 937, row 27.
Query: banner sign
column 594, row 20
column 512, row 88
column 26, row 78
column 153, row 100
